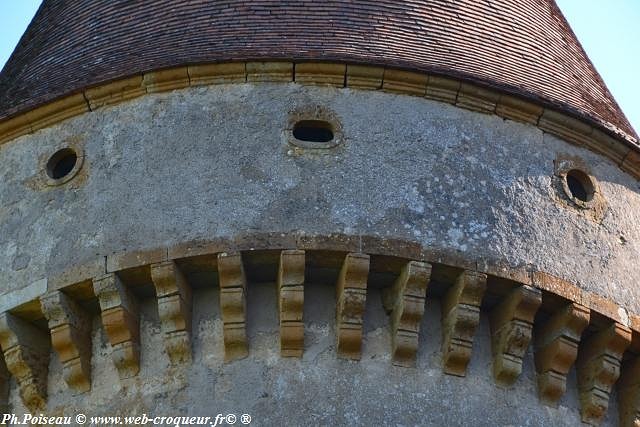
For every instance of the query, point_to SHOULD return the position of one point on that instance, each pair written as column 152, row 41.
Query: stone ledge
column 631, row 163
column 319, row 73
column 21, row 296
column 233, row 72
column 125, row 260
column 568, row 128
column 77, row 274
column 405, row 82
column 513, row 108
column 269, row 71
column 14, row 128
column 364, row 77
column 115, row 92
column 443, row 89
column 163, row 80
column 512, row 319
column 478, row 99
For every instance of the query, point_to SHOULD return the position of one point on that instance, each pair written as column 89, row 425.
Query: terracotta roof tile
column 524, row 47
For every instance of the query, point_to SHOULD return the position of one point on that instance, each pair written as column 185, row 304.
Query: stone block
column 511, row 329
column 269, row 71
column 560, row 287
column 406, row 300
column 320, row 73
column 26, row 353
column 565, row 127
column 114, row 92
column 517, row 109
column 70, row 327
column 629, row 393
column 405, row 82
column 130, row 259
column 174, row 309
column 206, row 74
column 77, row 274
column 364, row 77
column 164, row 80
column 233, row 305
column 351, row 298
column 476, row 98
column 631, row 163
column 460, row 319
column 608, row 146
column 442, row 89
column 291, row 302
column 598, row 368
column 556, row 350
column 121, row 322
column 14, row 127
column 57, row 111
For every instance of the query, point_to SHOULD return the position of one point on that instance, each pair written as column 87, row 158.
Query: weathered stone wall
column 213, row 161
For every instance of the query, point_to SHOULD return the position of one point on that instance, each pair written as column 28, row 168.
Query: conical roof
column 523, row 47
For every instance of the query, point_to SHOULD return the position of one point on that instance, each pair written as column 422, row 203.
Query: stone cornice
column 571, row 325
column 624, row 152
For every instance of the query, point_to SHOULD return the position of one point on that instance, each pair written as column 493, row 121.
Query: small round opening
column 580, row 185
column 61, row 163
column 313, row 131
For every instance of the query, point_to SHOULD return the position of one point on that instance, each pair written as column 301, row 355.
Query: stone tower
column 419, row 212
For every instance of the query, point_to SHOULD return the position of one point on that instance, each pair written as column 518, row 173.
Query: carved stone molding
column 619, row 147
column 406, row 300
column 26, row 353
column 558, row 331
column 70, row 327
column 598, row 369
column 120, row 319
column 460, row 318
column 511, row 326
column 174, row 308
column 629, row 393
column 351, row 297
column 233, row 305
column 291, row 302
column 556, row 350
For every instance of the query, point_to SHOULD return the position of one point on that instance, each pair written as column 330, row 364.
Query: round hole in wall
column 580, row 185
column 61, row 163
column 318, row 131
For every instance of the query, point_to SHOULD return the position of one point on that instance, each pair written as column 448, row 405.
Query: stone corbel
column 26, row 353
column 598, row 369
column 629, row 393
column 556, row 350
column 460, row 318
column 120, row 319
column 511, row 326
column 291, row 302
column 233, row 305
column 70, row 327
column 174, row 309
column 351, row 297
column 405, row 300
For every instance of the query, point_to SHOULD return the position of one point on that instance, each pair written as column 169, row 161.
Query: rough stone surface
column 210, row 162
